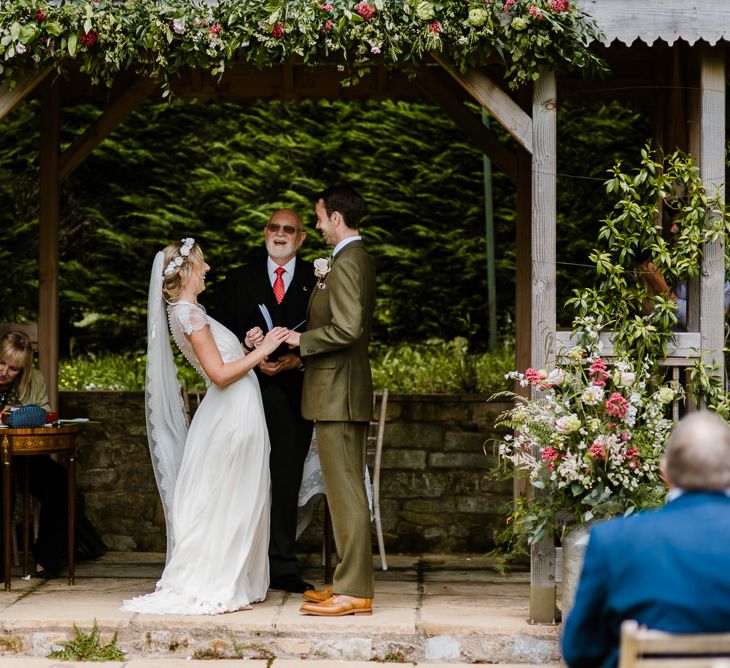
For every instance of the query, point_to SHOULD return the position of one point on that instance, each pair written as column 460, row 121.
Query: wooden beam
column 712, row 171
column 683, row 346
column 49, row 234
column 85, row 143
column 431, row 86
column 11, row 98
column 543, row 241
column 492, row 98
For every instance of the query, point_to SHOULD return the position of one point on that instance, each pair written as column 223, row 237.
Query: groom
column 338, row 395
column 283, row 283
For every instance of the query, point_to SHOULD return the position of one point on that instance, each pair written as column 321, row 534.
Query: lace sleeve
column 191, row 318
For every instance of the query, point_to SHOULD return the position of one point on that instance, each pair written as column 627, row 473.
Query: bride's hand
column 254, row 337
column 273, row 339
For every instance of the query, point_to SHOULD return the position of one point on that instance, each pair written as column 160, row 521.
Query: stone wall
column 436, row 492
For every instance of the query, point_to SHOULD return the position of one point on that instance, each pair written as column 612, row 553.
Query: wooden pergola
column 667, row 52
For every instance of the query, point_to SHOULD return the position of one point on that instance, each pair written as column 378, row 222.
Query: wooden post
column 543, row 325
column 49, row 227
column 712, row 170
column 523, row 289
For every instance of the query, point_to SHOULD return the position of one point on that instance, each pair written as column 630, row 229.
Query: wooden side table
column 36, row 441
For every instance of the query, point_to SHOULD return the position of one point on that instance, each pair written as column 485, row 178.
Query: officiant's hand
column 273, row 339
column 283, row 363
column 253, row 339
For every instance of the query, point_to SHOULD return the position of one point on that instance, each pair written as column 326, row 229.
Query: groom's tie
column 279, row 285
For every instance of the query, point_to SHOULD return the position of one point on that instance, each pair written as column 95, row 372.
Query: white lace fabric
column 186, row 318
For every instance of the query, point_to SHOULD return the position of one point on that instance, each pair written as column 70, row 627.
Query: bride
column 213, row 477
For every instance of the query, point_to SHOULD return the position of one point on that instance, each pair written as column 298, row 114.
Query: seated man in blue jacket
column 667, row 569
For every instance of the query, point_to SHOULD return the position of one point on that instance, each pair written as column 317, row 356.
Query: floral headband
column 187, row 246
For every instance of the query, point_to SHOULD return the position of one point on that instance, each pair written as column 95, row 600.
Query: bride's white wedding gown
column 220, row 507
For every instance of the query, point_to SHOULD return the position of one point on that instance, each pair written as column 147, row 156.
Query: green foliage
column 217, row 171
column 433, row 367
column 88, row 647
column 156, row 38
column 440, row 366
column 641, row 322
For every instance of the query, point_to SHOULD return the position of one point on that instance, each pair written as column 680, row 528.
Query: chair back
column 28, row 328
column 377, row 437
column 646, row 648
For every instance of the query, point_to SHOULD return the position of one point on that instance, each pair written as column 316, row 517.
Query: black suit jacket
column 236, row 306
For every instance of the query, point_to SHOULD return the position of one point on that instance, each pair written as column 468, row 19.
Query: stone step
column 433, row 608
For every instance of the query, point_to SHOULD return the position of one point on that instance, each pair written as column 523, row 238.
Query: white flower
column 321, row 267
column 178, row 25
column 374, row 47
column 20, row 48
column 624, row 378
column 567, row 424
column 555, row 377
column 666, row 394
column 592, row 395
column 187, row 246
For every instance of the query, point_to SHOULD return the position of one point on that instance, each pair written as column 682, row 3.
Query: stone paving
column 446, row 609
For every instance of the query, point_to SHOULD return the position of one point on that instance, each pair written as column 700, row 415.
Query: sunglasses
column 287, row 229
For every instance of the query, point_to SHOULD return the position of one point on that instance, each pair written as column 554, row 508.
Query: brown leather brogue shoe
column 318, row 595
column 339, row 605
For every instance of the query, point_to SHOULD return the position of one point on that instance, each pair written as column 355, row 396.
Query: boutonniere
column 321, row 269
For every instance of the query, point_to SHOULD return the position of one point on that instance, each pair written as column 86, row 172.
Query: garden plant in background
column 593, row 430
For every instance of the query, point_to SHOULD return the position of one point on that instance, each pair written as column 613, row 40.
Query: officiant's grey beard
column 280, row 247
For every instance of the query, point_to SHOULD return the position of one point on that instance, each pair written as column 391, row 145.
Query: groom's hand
column 293, row 339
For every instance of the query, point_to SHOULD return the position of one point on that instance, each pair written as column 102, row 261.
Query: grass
column 424, row 368
column 88, row 647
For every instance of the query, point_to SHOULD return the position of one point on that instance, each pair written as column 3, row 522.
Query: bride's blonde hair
column 183, row 264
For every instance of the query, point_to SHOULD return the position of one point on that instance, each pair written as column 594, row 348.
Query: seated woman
column 20, row 385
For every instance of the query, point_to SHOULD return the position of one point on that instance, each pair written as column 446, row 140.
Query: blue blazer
column 668, row 569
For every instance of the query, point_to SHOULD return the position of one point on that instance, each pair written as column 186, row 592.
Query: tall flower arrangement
column 158, row 37
column 591, row 439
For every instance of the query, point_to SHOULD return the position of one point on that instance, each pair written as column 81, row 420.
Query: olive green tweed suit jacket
column 338, row 384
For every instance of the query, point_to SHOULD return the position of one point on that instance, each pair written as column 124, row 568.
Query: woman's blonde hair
column 173, row 282
column 17, row 350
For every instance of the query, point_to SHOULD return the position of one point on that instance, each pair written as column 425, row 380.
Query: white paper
column 267, row 317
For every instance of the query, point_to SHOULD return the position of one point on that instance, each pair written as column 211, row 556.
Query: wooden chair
column 646, row 648
column 375, row 437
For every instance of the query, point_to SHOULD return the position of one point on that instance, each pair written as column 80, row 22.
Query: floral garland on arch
column 157, row 38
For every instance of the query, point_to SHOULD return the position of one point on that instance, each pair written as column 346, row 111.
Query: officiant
column 275, row 290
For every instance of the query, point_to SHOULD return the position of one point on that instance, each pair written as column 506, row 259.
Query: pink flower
column 634, row 464
column 549, row 454
column 632, row 453
column 550, row 466
column 535, row 11
column 278, row 31
column 598, row 373
column 215, row 28
column 327, row 7
column 597, row 451
column 328, row 25
column 434, row 26
column 89, row 39
column 365, row 10
column 617, row 406
column 534, row 376
column 40, row 16
column 560, row 5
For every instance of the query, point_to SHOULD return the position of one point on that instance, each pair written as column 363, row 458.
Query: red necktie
column 279, row 285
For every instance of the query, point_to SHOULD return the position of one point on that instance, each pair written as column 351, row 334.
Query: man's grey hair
column 697, row 457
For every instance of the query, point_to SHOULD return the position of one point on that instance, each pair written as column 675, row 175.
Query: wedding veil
column 167, row 422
